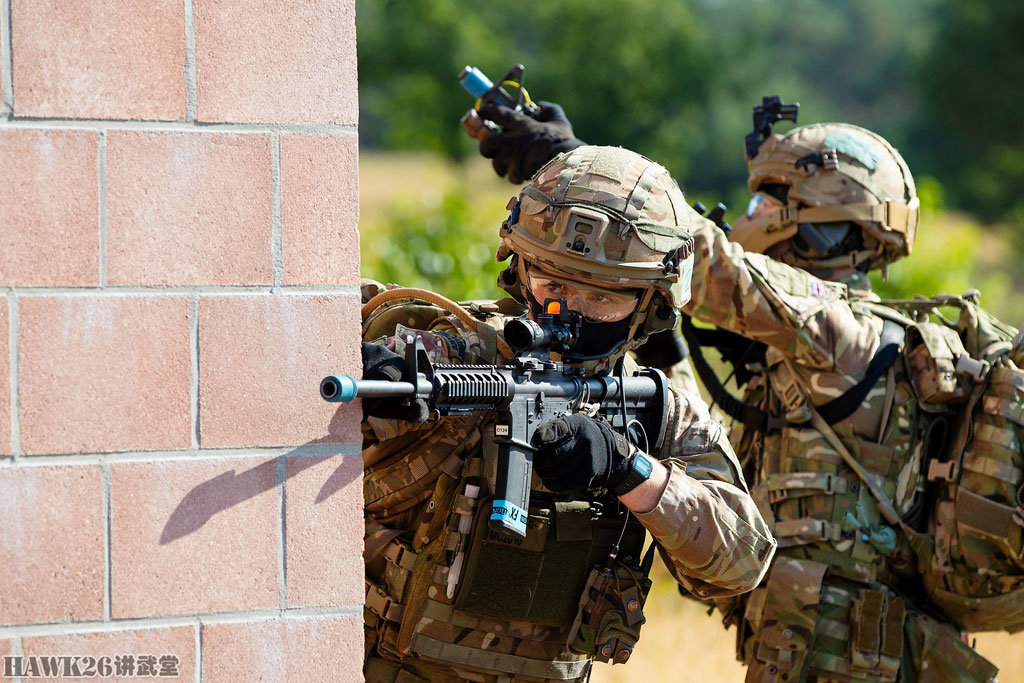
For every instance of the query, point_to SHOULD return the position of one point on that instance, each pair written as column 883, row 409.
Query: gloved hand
column 578, row 452
column 381, row 363
column 525, row 144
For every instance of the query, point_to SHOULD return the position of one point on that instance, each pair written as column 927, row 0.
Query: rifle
column 526, row 391
column 481, row 87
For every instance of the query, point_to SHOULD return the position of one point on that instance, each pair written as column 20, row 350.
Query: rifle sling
column 834, row 411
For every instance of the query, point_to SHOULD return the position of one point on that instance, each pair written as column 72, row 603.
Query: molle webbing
column 876, row 639
column 782, row 486
column 806, row 530
column 566, row 670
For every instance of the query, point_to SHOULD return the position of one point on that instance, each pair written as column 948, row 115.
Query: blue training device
column 474, row 80
column 339, row 388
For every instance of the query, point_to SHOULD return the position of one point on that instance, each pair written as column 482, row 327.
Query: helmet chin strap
column 851, row 259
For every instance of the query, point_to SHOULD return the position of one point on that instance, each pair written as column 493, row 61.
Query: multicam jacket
column 841, row 600
column 706, row 527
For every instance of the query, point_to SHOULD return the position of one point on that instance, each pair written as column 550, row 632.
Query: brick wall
column 178, row 267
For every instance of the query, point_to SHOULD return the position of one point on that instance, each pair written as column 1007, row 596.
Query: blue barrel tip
column 338, row 388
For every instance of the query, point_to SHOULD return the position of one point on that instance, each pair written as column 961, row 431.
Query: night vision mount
column 767, row 114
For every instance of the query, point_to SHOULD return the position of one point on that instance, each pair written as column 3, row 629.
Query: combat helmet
column 606, row 217
column 827, row 178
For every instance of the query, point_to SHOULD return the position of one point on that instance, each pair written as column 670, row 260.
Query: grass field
column 680, row 642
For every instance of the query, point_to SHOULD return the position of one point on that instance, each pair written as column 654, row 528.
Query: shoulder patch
column 856, row 147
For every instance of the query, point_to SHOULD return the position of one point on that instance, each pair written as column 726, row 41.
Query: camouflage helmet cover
column 606, row 216
column 835, row 172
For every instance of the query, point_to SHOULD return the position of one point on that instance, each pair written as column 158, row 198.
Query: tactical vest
column 450, row 594
column 935, row 441
column 851, row 505
column 836, row 551
column 967, row 374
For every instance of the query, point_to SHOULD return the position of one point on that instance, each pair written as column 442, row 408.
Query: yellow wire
column 526, row 95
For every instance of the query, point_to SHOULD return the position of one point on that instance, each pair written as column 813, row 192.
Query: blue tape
column 510, row 514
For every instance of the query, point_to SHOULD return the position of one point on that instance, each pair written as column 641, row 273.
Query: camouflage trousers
column 804, row 626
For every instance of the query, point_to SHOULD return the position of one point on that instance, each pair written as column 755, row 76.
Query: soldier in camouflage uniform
column 832, row 433
column 450, row 600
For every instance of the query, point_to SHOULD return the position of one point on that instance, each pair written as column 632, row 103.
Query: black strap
column 749, row 415
column 842, row 407
column 835, row 410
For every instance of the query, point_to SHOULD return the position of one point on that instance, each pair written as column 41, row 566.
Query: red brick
column 49, row 208
column 193, row 536
column 314, row 649
column 51, row 534
column 263, row 357
column 103, row 59
column 271, row 61
column 320, row 209
column 178, row 641
column 103, row 373
column 5, row 378
column 323, row 504
column 189, row 208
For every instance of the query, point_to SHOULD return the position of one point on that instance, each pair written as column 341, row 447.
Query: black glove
column 524, row 143
column 381, row 363
column 578, row 452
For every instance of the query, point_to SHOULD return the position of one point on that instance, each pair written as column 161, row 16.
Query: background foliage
column 675, row 79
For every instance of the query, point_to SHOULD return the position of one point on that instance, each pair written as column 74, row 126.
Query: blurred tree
column 673, row 79
column 972, row 83
column 629, row 72
column 436, row 244
column 849, row 62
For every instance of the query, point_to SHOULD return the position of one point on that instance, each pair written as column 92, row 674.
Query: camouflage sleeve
column 808, row 319
column 709, row 531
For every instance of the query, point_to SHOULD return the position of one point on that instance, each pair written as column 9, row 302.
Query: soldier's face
column 598, row 304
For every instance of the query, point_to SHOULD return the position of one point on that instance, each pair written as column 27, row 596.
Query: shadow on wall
column 230, row 488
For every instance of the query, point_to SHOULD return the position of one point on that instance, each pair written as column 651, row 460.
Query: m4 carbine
column 524, row 392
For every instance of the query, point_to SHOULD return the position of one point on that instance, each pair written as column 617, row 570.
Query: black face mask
column 600, row 339
column 596, row 339
column 825, row 240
